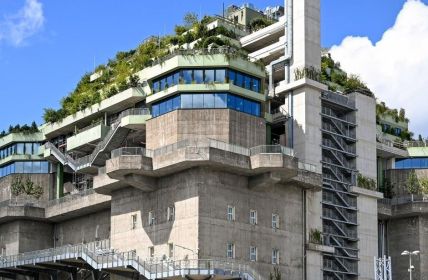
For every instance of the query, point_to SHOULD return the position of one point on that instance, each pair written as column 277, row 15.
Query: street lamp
column 410, row 254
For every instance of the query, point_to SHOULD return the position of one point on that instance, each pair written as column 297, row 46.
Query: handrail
column 404, row 199
column 131, row 151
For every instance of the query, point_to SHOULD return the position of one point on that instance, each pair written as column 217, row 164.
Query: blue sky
column 43, row 63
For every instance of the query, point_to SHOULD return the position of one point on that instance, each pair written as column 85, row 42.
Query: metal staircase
column 113, row 140
column 339, row 205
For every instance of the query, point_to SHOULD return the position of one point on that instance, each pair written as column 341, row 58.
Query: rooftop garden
column 398, row 116
column 338, row 80
column 119, row 73
column 24, row 129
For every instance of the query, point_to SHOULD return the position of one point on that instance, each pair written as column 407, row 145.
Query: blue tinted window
column 247, row 82
column 255, row 109
column 175, row 78
column 220, row 100
column 220, row 75
column 162, row 108
column 231, row 101
column 232, row 77
column 170, row 81
column 198, row 76
column 156, row 86
column 19, row 167
column 198, row 100
column 168, row 105
column 155, row 110
column 209, row 76
column 247, row 106
column 187, row 76
column 256, row 85
column 239, row 80
column 176, row 102
column 239, row 103
column 209, row 100
column 186, row 101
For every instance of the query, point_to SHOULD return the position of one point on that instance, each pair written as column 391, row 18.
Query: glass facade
column 412, row 163
column 20, row 149
column 25, row 167
column 206, row 100
column 204, row 76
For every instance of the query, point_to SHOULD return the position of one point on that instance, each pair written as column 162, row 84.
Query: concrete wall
column 84, row 229
column 221, row 124
column 222, row 189
column 366, row 134
column 399, row 178
column 44, row 180
column 23, row 236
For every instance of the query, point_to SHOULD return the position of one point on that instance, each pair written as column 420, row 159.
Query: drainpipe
column 304, row 233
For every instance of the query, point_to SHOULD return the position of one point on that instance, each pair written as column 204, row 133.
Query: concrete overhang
column 410, row 209
column 284, row 87
column 20, row 137
column 386, row 151
column 264, row 36
column 27, row 212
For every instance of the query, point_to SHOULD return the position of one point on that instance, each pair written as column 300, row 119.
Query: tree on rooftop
column 190, row 19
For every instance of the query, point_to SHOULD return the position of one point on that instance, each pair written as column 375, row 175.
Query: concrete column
column 59, row 180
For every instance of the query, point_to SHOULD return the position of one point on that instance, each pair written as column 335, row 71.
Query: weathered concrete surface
column 221, row 124
column 46, row 181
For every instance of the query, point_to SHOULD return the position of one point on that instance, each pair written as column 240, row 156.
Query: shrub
column 366, row 183
column 27, row 187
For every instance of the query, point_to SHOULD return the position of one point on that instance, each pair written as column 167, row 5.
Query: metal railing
column 188, row 52
column 403, row 199
column 272, row 149
column 70, row 197
column 131, row 151
column 338, row 99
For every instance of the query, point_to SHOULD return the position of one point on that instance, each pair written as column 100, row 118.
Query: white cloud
column 396, row 67
column 16, row 28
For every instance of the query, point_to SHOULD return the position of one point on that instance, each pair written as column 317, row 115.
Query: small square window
column 152, row 252
column 253, row 253
column 275, row 221
column 253, row 217
column 275, row 256
column 171, row 213
column 230, row 251
column 134, row 221
column 230, row 213
column 151, row 218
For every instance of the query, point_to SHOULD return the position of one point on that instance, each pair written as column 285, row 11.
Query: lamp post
column 410, row 254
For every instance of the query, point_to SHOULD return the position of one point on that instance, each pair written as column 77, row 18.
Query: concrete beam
column 263, row 182
column 141, row 182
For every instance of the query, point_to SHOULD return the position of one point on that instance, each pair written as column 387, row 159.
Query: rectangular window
column 198, row 100
column 152, row 252
column 220, row 100
column 255, row 108
column 239, row 105
column 28, row 148
column 230, row 251
column 230, row 213
column 247, row 82
column 253, row 253
column 134, row 221
column 239, row 80
column 170, row 81
column 186, row 101
column 275, row 221
column 171, row 250
column 156, row 86
column 220, row 76
column 151, row 218
column 209, row 76
column 37, row 167
column 20, row 149
column 168, row 105
column 175, row 78
column 256, row 85
column 275, row 256
column 155, row 110
column 171, row 213
column 176, row 102
column 247, row 106
column 162, row 108
column 231, row 102
column 253, row 217
column 162, row 84
column 232, row 77
column 187, row 76
column 198, row 76
column 209, row 100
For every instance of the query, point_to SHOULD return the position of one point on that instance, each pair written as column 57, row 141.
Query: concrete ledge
column 103, row 184
column 309, row 180
column 12, row 212
column 320, row 248
column 403, row 210
column 77, row 206
column 366, row 192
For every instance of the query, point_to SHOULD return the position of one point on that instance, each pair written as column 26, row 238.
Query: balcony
column 21, row 137
column 84, row 140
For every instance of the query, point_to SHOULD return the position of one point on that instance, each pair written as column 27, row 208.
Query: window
column 209, row 100
column 187, row 76
column 253, row 217
column 134, row 221
column 198, row 76
column 230, row 251
column 230, row 213
column 171, row 213
column 151, row 218
column 198, row 100
column 209, row 76
column 275, row 256
column 239, row 80
column 232, row 77
column 220, row 100
column 220, row 75
column 171, row 250
column 186, row 101
column 152, row 252
column 253, row 253
column 275, row 221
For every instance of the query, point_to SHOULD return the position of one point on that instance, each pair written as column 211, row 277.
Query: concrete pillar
column 59, row 180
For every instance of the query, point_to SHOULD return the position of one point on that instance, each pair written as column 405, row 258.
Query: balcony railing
column 404, row 200
column 131, row 151
column 338, row 99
